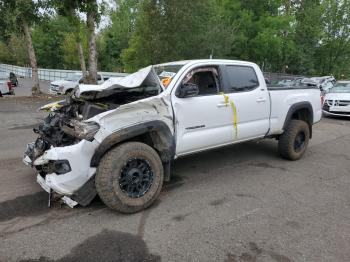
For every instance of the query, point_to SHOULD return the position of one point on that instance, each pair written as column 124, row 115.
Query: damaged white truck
column 119, row 139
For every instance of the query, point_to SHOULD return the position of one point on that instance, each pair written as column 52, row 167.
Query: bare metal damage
column 79, row 130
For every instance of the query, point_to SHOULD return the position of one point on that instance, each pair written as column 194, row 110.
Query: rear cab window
column 240, row 78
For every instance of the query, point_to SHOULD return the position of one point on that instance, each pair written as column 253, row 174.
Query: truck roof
column 205, row 61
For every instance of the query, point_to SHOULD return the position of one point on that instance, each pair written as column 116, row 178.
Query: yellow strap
column 227, row 100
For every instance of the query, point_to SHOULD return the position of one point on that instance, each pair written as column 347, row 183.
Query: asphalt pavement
column 25, row 85
column 238, row 203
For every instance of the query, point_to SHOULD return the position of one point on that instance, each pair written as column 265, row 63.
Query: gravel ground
column 239, row 203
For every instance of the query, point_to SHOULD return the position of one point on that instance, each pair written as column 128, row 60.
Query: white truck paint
column 196, row 123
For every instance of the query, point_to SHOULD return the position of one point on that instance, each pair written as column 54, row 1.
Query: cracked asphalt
column 238, row 203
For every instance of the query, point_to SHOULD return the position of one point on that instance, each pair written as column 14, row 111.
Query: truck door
column 202, row 121
column 251, row 100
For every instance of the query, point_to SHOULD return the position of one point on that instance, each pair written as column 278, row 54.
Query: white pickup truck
column 66, row 86
column 119, row 141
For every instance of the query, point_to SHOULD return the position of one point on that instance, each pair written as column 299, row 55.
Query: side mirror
column 187, row 90
column 81, row 81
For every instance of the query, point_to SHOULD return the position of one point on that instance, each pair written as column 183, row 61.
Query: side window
column 241, row 78
column 207, row 80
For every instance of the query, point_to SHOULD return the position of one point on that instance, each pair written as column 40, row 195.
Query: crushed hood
column 144, row 77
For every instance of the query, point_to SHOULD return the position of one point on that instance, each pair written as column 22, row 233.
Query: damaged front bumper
column 66, row 171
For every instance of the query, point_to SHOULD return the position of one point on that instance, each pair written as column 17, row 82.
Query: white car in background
column 66, row 86
column 6, row 87
column 337, row 100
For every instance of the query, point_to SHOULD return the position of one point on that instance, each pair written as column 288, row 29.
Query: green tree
column 70, row 50
column 69, row 9
column 333, row 54
column 115, row 37
column 261, row 33
column 19, row 16
column 48, row 37
column 93, row 13
column 18, row 50
column 307, row 33
column 5, row 56
column 170, row 30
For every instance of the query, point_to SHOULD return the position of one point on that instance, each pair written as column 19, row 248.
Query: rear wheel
column 129, row 177
column 294, row 141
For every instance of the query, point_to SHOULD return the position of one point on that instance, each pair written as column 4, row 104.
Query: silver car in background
column 337, row 100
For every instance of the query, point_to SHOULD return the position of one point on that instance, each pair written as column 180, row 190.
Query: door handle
column 261, row 99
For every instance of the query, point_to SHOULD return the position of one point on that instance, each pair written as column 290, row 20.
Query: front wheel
column 129, row 177
column 294, row 141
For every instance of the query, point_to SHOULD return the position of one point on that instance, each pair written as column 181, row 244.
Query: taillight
column 9, row 85
column 322, row 100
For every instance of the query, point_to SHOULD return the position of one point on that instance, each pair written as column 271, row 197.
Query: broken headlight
column 81, row 130
column 88, row 130
column 59, row 167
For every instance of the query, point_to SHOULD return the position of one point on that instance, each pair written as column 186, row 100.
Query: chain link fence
column 49, row 74
column 57, row 74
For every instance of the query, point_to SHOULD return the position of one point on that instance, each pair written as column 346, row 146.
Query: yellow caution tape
column 51, row 107
column 228, row 101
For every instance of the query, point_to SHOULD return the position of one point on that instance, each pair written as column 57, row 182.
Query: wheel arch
column 300, row 111
column 68, row 90
column 154, row 133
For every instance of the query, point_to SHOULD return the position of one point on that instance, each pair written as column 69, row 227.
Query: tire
column 294, row 141
column 117, row 169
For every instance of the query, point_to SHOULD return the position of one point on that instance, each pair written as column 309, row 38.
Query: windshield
column 167, row 72
column 341, row 88
column 74, row 77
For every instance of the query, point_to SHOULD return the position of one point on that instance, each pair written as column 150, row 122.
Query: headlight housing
column 88, row 130
column 82, row 130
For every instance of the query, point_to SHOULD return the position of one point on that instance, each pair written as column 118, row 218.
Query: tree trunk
column 90, row 23
column 32, row 58
column 82, row 59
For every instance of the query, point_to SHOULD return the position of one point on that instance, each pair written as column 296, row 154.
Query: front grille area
column 337, row 102
column 342, row 103
column 54, row 87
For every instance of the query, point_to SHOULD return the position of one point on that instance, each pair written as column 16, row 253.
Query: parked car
column 337, row 100
column 119, row 140
column 66, row 86
column 13, row 79
column 6, row 87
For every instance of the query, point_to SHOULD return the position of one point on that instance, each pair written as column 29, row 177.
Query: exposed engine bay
column 67, row 122
column 64, row 125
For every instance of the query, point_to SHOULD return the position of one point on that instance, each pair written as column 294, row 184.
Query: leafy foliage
column 292, row 36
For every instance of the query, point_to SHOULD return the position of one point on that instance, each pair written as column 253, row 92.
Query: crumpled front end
column 61, row 155
column 75, row 127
